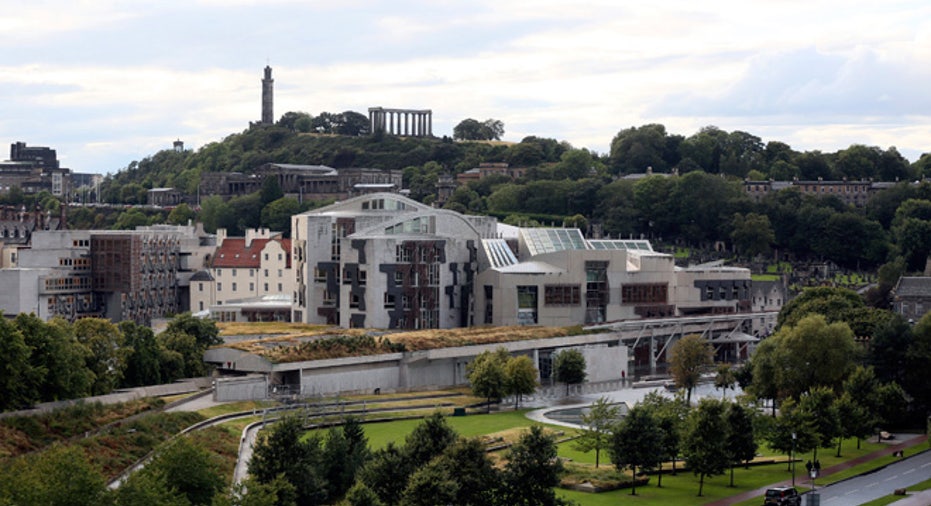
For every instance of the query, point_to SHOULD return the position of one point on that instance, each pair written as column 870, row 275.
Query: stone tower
column 268, row 116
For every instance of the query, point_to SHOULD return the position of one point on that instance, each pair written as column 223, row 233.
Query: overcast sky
column 106, row 82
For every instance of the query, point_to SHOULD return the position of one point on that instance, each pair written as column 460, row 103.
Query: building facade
column 243, row 269
column 386, row 261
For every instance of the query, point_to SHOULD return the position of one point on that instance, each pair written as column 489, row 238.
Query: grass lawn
column 380, row 434
column 765, row 277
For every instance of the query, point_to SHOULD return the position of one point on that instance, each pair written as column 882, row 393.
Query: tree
column 725, row 378
column 361, row 495
column 853, row 418
column 385, row 475
column 917, row 358
column 688, row 358
column 636, row 443
column 752, row 234
column 188, row 469
column 835, row 304
column 472, row 130
column 428, row 440
column 429, row 486
column 704, row 447
column 521, row 377
column 283, row 452
column 818, row 404
column 277, row 214
column 58, row 361
column 182, row 214
column 791, row 432
column 570, row 367
column 487, row 375
column 741, row 441
column 204, row 330
column 813, row 353
column 58, row 476
column 532, row 470
column 142, row 363
column 596, row 424
column 107, row 358
column 271, row 190
column 670, row 415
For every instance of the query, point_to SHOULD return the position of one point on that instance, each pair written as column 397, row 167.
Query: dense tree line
column 58, row 360
column 703, row 204
column 433, row 465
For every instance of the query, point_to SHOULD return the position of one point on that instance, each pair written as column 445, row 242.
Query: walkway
column 750, row 494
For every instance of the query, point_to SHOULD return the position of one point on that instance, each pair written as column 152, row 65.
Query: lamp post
column 792, row 457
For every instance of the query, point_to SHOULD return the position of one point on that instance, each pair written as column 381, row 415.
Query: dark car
column 782, row 496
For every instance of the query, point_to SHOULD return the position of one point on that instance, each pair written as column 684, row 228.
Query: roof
column 498, row 252
column 913, row 286
column 203, row 275
column 638, row 245
column 531, row 267
column 549, row 240
column 234, row 253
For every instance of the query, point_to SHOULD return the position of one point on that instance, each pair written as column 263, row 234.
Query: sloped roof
column 234, row 253
column 913, row 286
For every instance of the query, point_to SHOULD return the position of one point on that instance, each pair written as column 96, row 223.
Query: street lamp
column 792, row 457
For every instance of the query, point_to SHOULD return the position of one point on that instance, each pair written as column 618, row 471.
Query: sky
column 107, row 82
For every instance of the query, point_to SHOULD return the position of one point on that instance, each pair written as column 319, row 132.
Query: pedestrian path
column 906, row 442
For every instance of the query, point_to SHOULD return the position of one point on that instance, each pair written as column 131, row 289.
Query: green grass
column 764, row 277
column 380, row 434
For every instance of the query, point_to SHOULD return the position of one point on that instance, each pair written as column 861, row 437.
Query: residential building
column 244, row 269
column 911, row 297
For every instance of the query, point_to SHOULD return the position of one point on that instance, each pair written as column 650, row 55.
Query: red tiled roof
column 234, row 253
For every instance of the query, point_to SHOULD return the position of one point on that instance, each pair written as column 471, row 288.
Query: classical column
column 407, row 123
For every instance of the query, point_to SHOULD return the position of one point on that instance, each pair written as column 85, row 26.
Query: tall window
column 527, row 305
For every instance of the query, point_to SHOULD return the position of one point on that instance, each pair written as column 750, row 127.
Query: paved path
column 750, row 494
column 883, row 482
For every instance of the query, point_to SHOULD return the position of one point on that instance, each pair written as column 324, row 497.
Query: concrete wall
column 440, row 368
column 240, row 389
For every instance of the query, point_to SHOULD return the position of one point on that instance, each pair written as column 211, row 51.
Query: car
column 782, row 496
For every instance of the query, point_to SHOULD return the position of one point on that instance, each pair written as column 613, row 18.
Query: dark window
column 562, row 295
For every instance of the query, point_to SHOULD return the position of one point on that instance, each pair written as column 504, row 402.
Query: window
column 353, row 300
column 266, row 273
column 319, row 275
column 251, row 272
column 562, row 295
column 402, row 254
column 279, row 273
column 279, row 257
column 526, row 305
column 266, row 257
column 329, row 299
column 251, row 287
column 644, row 293
column 279, row 287
column 219, row 287
column 200, row 287
column 200, row 305
column 234, row 286
column 398, row 278
column 362, row 277
column 389, row 301
column 234, row 272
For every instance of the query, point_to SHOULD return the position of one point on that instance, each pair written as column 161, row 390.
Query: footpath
column 750, row 494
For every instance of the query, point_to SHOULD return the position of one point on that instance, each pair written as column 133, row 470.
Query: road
column 881, row 483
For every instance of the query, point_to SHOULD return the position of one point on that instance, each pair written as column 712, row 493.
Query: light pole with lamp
column 792, row 457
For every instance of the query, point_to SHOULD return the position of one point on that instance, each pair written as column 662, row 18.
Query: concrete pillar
column 429, row 123
column 407, row 118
